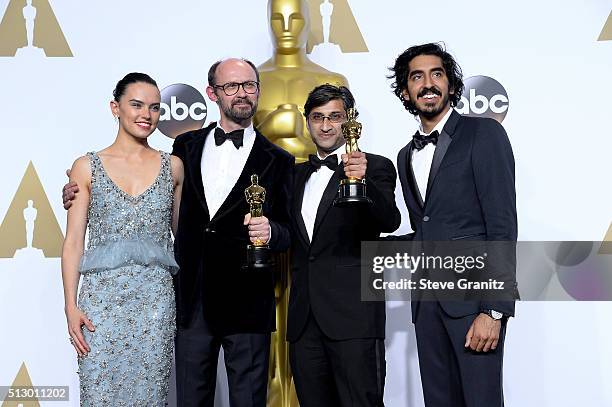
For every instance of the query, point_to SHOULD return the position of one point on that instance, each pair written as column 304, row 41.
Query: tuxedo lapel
column 259, row 161
column 444, row 142
column 414, row 186
column 409, row 189
column 193, row 154
column 330, row 193
column 300, row 183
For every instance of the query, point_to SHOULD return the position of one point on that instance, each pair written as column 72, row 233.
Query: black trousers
column 337, row 373
column 246, row 362
column 453, row 376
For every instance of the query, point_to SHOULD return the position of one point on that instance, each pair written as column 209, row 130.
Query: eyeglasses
column 231, row 88
column 335, row 117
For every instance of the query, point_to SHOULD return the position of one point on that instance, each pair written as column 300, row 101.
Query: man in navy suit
column 457, row 177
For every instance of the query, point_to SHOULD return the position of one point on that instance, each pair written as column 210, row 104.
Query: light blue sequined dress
column 127, row 292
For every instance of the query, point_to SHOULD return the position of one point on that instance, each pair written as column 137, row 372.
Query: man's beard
column 239, row 114
column 432, row 111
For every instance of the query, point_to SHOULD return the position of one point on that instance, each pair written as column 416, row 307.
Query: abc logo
column 483, row 97
column 183, row 108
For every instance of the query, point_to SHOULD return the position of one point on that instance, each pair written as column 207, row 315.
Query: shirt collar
column 440, row 126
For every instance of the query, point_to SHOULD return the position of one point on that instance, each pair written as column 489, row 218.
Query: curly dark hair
column 400, row 72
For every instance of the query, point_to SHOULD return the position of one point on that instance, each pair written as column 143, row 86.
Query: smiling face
column 325, row 126
column 288, row 24
column 138, row 109
column 428, row 87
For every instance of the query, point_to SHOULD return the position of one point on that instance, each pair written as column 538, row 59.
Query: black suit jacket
column 325, row 273
column 470, row 194
column 210, row 252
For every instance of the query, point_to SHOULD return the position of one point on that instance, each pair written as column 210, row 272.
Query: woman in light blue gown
column 124, row 322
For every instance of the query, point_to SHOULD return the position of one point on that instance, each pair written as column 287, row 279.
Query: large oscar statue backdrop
column 286, row 79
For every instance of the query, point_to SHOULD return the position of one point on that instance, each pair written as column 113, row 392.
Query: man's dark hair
column 323, row 94
column 213, row 71
column 132, row 77
column 400, row 73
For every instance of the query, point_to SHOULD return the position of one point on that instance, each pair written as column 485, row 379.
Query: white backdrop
column 544, row 53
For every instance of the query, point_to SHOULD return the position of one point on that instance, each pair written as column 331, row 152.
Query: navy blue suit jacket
column 470, row 194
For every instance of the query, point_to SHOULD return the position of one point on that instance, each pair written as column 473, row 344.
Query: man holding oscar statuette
column 337, row 351
column 220, row 302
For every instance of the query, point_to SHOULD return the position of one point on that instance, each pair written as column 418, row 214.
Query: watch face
column 496, row 315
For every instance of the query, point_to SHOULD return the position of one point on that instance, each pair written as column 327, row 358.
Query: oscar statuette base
column 352, row 191
column 258, row 257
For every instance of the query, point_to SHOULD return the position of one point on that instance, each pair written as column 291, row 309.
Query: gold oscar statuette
column 258, row 253
column 351, row 190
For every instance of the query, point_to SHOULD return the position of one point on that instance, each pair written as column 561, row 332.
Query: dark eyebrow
column 143, row 103
column 416, row 71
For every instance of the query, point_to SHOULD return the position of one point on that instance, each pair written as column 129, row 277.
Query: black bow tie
column 236, row 136
column 419, row 141
column 331, row 162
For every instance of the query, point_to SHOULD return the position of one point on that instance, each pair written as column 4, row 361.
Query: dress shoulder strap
column 166, row 167
column 95, row 164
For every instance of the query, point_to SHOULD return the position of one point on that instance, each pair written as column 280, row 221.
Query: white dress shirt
column 422, row 159
column 222, row 165
column 313, row 191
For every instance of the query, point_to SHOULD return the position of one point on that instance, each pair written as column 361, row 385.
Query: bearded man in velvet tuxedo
column 336, row 349
column 457, row 177
column 218, row 303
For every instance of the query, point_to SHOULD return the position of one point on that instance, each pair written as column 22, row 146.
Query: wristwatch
column 496, row 315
